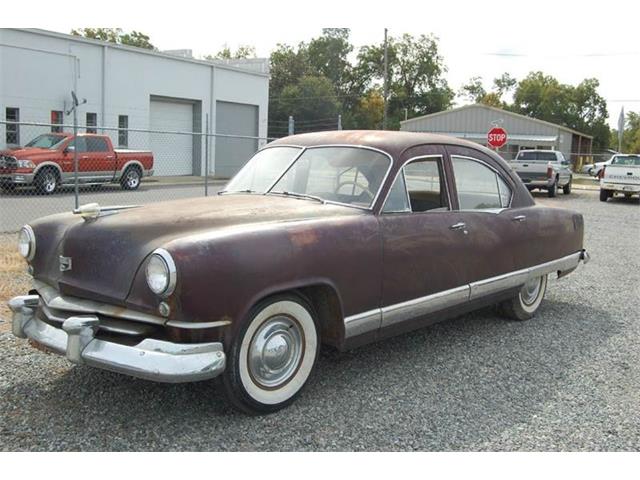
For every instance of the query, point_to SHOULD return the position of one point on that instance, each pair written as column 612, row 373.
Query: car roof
column 392, row 142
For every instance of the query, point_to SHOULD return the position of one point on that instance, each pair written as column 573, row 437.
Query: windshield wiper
column 301, row 195
column 222, row 192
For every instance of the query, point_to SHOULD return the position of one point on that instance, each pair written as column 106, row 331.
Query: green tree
column 504, row 84
column 416, row 76
column 630, row 136
column 116, row 35
column 369, row 110
column 243, row 51
column 473, row 90
column 311, row 99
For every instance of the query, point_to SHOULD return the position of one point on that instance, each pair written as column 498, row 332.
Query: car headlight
column 27, row 243
column 161, row 273
column 26, row 164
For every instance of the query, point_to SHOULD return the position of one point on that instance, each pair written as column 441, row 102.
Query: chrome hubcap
column 275, row 352
column 49, row 182
column 132, row 179
column 530, row 291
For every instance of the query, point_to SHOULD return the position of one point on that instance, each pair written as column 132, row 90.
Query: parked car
column 336, row 238
column 599, row 166
column 47, row 162
column 543, row 169
column 622, row 175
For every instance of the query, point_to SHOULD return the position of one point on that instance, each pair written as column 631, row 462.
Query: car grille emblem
column 65, row 263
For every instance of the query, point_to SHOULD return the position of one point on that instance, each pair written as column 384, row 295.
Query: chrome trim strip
column 52, row 298
column 197, row 325
column 362, row 323
column 418, row 307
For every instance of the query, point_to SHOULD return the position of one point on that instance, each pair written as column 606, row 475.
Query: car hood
column 29, row 153
column 106, row 253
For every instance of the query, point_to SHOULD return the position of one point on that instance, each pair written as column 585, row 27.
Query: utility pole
column 386, row 81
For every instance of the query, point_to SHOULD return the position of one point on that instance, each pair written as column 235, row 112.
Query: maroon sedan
column 337, row 238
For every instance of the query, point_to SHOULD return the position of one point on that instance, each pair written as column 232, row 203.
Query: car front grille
column 8, row 162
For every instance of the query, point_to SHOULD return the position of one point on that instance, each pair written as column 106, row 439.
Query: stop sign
column 497, row 137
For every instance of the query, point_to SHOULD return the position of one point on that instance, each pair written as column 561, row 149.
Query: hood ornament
column 92, row 211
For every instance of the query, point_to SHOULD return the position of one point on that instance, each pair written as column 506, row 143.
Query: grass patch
column 14, row 279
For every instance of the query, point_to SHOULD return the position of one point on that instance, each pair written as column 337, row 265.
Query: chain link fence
column 45, row 170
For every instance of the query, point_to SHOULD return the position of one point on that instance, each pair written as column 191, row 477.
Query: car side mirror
column 70, row 149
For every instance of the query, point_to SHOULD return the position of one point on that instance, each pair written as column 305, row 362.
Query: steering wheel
column 359, row 185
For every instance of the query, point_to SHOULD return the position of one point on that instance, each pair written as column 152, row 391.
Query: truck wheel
column 525, row 305
column 272, row 356
column 46, row 181
column 605, row 195
column 567, row 188
column 131, row 178
column 553, row 189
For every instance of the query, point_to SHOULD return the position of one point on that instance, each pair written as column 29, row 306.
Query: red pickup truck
column 48, row 162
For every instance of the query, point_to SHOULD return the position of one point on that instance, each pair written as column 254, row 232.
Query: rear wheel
column 553, row 189
column 525, row 305
column 605, row 195
column 131, row 178
column 272, row 356
column 567, row 188
column 47, row 181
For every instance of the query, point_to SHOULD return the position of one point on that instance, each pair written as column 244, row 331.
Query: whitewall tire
column 527, row 302
column 273, row 355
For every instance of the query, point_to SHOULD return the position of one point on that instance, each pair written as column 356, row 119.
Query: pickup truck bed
column 622, row 175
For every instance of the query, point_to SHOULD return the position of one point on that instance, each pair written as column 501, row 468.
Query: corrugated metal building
column 472, row 122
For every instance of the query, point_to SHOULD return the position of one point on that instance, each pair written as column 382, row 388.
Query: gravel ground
column 567, row 380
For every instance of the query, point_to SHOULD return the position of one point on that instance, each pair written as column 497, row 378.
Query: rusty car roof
column 393, row 142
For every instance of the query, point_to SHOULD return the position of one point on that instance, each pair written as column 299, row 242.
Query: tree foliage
column 225, row 53
column 116, row 35
column 630, row 136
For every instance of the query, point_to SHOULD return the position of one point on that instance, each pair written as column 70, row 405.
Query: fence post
column 291, row 125
column 339, row 122
column 206, row 156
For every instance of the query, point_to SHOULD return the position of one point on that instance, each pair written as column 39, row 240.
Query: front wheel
column 272, row 356
column 525, row 305
column 46, row 181
column 567, row 188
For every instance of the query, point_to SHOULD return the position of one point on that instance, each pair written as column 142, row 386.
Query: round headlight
column 161, row 273
column 27, row 243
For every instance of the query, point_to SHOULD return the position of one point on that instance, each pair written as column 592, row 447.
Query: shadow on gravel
column 449, row 386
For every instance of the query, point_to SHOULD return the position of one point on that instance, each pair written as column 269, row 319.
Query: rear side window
column 419, row 187
column 479, row 187
column 96, row 144
column 536, row 156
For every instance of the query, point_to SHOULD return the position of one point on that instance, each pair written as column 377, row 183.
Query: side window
column 479, row 187
column 419, row 187
column 80, row 144
column 96, row 144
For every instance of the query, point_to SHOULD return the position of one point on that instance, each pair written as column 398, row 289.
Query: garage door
column 233, row 153
column 173, row 154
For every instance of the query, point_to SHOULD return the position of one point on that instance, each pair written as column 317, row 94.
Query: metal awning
column 511, row 137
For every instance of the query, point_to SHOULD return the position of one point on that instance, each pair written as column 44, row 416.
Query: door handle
column 458, row 226
column 519, row 218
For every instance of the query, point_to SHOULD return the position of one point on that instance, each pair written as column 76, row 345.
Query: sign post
column 497, row 137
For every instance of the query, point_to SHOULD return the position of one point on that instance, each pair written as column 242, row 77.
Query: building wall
column 476, row 121
column 38, row 76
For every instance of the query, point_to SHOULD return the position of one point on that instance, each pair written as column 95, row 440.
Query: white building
column 473, row 122
column 133, row 88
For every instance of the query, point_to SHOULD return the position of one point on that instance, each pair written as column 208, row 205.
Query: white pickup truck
column 622, row 175
column 543, row 169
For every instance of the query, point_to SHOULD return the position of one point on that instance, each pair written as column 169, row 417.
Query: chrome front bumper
column 151, row 359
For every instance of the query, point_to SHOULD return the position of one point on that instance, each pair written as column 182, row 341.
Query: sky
column 569, row 40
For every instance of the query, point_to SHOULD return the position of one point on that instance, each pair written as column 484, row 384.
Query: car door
column 497, row 234
column 98, row 163
column 424, row 243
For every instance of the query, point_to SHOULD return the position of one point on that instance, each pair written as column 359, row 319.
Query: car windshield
column 537, row 156
column 264, row 168
column 46, row 141
column 627, row 160
column 346, row 175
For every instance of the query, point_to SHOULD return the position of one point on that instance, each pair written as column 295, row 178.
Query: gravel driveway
column 567, row 380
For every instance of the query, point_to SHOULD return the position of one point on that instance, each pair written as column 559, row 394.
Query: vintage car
column 335, row 238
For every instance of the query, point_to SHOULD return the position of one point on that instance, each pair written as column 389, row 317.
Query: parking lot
column 567, row 380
